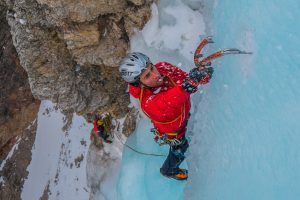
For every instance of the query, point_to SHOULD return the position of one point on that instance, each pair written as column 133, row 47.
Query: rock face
column 71, row 49
column 14, row 171
column 67, row 52
column 18, row 108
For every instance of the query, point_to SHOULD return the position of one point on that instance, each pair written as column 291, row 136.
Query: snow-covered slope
column 58, row 157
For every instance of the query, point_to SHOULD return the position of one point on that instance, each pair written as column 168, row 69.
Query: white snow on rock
column 182, row 34
column 9, row 155
column 58, row 157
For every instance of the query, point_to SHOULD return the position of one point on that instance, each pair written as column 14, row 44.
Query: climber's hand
column 202, row 76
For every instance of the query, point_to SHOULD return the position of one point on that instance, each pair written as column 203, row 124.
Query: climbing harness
column 163, row 139
column 207, row 60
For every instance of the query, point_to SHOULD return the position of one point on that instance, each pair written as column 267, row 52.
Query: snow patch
column 181, row 36
column 13, row 149
column 58, row 157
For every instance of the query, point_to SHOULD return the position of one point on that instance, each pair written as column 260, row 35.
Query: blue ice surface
column 246, row 137
column 140, row 178
column 244, row 126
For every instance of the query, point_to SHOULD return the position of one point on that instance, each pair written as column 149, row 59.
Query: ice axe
column 207, row 60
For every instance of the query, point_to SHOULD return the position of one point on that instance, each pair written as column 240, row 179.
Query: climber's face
column 151, row 77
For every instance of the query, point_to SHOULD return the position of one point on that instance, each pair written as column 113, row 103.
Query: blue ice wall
column 246, row 129
column 140, row 178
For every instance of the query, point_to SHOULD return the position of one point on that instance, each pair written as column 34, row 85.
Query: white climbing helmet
column 133, row 65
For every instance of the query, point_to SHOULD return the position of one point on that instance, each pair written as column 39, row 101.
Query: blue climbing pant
column 175, row 158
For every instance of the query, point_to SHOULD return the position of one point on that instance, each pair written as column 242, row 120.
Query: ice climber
column 102, row 127
column 164, row 93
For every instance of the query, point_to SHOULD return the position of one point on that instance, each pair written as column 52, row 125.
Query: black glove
column 200, row 74
column 190, row 85
column 196, row 77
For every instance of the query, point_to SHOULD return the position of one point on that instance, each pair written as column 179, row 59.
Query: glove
column 197, row 76
column 202, row 76
column 190, row 85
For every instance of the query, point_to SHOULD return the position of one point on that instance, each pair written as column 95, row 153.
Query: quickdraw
column 207, row 60
column 162, row 139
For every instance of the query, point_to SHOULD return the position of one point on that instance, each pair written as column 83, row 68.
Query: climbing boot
column 181, row 175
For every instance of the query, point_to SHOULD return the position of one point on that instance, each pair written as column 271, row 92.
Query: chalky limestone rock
column 71, row 49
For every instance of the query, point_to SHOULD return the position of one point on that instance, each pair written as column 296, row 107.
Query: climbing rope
column 139, row 152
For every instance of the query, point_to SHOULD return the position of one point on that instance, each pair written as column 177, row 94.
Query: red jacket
column 97, row 128
column 168, row 106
